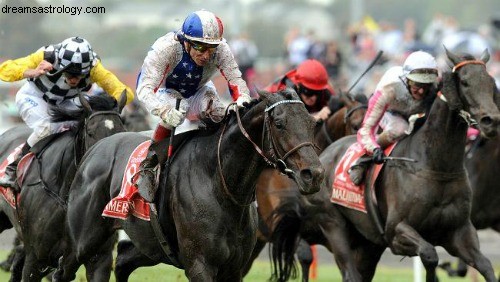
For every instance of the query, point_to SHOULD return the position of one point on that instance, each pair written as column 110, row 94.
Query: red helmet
column 312, row 74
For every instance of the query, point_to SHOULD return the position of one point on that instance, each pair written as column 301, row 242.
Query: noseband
column 276, row 160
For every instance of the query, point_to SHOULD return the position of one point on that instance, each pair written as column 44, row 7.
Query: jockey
column 310, row 81
column 56, row 75
column 401, row 92
column 180, row 65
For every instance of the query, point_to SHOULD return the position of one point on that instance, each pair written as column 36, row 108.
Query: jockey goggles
column 70, row 75
column 419, row 85
column 202, row 47
column 302, row 90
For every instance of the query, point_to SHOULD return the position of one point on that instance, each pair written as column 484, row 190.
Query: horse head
column 287, row 139
column 473, row 91
column 102, row 117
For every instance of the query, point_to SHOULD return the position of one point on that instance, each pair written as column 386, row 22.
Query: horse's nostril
column 306, row 174
column 486, row 121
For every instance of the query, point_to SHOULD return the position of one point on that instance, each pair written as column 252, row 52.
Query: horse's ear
column 485, row 57
column 452, row 57
column 450, row 91
column 123, row 100
column 85, row 103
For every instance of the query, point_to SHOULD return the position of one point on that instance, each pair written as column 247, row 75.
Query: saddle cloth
column 346, row 193
column 129, row 201
column 22, row 168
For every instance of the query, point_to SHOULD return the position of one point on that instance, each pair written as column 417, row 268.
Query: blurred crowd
column 347, row 58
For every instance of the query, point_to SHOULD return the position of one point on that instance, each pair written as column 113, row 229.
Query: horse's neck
column 441, row 140
column 241, row 163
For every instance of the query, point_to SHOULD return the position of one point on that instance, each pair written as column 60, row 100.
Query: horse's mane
column 103, row 102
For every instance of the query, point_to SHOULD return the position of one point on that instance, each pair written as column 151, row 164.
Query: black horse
column 420, row 205
column 40, row 210
column 135, row 117
column 272, row 187
column 482, row 162
column 206, row 209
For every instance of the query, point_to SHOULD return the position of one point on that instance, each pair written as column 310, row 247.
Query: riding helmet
column 312, row 74
column 421, row 67
column 204, row 27
column 76, row 56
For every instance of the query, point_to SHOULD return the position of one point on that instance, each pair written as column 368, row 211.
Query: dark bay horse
column 422, row 204
column 136, row 117
column 483, row 166
column 206, row 209
column 41, row 206
column 273, row 186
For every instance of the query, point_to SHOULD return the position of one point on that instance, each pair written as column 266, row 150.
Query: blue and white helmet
column 76, row 56
column 204, row 27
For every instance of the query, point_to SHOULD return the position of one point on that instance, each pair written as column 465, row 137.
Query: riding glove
column 378, row 156
column 171, row 116
column 242, row 100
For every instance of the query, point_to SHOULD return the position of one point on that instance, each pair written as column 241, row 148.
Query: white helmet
column 421, row 67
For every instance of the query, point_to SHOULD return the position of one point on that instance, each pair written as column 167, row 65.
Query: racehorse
column 482, row 162
column 272, row 186
column 205, row 206
column 421, row 204
column 38, row 212
column 136, row 117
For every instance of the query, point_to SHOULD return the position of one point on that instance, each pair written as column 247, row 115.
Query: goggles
column 308, row 92
column 419, row 85
column 202, row 47
column 70, row 75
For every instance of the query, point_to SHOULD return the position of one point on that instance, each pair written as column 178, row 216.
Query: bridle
column 84, row 130
column 463, row 113
column 275, row 160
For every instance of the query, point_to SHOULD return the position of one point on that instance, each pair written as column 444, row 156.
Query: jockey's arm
column 14, row 70
column 229, row 69
column 377, row 106
column 109, row 82
column 322, row 114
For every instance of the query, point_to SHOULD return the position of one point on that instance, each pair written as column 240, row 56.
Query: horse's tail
column 284, row 239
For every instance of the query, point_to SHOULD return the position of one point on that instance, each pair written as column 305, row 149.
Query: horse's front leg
column 464, row 244
column 407, row 241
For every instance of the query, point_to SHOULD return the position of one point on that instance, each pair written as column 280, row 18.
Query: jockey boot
column 146, row 183
column 358, row 170
column 10, row 177
column 357, row 173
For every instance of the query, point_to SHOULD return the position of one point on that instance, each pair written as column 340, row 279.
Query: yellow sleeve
column 13, row 70
column 109, row 82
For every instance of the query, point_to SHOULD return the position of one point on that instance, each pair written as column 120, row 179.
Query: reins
column 277, row 163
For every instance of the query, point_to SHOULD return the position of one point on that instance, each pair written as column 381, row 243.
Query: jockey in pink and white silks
column 180, row 65
column 400, row 93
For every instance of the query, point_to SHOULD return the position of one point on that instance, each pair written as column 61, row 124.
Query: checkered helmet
column 204, row 27
column 76, row 56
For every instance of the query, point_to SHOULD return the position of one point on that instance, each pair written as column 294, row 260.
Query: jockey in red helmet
column 310, row 81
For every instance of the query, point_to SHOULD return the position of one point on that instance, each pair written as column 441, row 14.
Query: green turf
column 260, row 272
